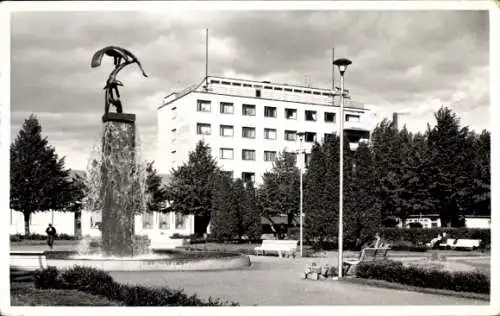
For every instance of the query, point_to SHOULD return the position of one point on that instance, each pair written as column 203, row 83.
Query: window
column 226, row 131
column 310, row 115
column 297, row 90
column 203, row 129
column 226, row 153
column 174, row 108
column 328, row 136
column 226, row 108
column 248, row 176
column 214, row 81
column 291, row 114
column 164, row 219
column 310, row 137
column 352, row 118
column 226, row 82
column 288, row 90
column 248, row 154
column 307, row 91
column 316, row 92
column 291, row 135
column 147, row 220
column 248, row 109
column 269, row 133
column 180, row 221
column 329, row 117
column 269, row 155
column 203, row 106
column 257, row 93
column 174, row 130
column 237, row 84
column 247, row 85
column 248, row 132
column 228, row 174
column 270, row 111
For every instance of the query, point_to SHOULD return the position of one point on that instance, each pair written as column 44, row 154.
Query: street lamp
column 301, row 138
column 342, row 64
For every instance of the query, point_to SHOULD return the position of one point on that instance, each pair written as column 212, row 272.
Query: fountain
column 116, row 187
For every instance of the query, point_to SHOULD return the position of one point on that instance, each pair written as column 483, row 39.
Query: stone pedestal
column 118, row 184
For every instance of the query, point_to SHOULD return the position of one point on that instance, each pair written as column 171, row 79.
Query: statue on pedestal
column 121, row 59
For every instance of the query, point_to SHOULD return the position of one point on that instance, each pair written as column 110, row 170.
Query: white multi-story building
column 247, row 123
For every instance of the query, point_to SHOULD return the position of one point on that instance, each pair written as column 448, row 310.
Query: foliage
column 38, row 180
column 449, row 163
column 156, row 191
column 225, row 219
column 251, row 220
column 191, row 188
column 97, row 282
column 395, row 271
column 321, row 192
column 21, row 237
column 279, row 192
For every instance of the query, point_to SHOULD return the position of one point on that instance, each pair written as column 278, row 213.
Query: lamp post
column 301, row 138
column 342, row 64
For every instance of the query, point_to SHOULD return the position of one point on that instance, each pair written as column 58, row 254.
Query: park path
column 277, row 281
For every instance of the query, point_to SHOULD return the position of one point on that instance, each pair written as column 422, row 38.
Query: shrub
column 395, row 271
column 97, row 282
column 407, row 246
column 48, row 279
column 425, row 235
column 87, row 279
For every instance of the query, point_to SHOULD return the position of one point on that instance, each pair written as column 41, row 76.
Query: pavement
column 277, row 281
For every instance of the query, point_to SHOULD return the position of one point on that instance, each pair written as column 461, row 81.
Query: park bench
column 282, row 247
column 367, row 254
column 448, row 244
column 28, row 260
column 470, row 244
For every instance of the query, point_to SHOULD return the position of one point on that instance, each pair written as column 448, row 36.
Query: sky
column 405, row 61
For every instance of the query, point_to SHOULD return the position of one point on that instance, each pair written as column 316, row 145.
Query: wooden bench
column 448, row 244
column 283, row 247
column 470, row 244
column 367, row 254
column 28, row 260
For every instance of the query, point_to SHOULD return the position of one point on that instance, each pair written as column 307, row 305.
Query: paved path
column 276, row 281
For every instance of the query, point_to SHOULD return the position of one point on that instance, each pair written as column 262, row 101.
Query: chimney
column 395, row 120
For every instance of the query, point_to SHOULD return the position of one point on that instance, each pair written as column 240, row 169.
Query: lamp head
column 342, row 63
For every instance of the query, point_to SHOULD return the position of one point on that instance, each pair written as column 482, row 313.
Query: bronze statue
column 112, row 96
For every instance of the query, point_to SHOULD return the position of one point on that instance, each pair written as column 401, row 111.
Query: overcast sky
column 405, row 61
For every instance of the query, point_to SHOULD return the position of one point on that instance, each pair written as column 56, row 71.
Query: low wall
column 229, row 262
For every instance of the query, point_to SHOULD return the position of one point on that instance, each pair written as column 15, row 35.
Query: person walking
column 51, row 234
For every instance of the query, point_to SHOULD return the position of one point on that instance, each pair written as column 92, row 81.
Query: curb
column 399, row 286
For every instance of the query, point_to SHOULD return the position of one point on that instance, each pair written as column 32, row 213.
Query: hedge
column 425, row 235
column 98, row 282
column 395, row 271
column 21, row 237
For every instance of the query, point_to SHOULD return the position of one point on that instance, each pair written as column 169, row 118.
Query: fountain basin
column 158, row 260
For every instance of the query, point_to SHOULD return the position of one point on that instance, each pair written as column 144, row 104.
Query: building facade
column 247, row 123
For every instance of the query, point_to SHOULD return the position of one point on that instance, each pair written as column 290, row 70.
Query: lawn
column 27, row 295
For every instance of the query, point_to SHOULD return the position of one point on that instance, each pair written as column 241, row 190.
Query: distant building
column 247, row 123
column 87, row 223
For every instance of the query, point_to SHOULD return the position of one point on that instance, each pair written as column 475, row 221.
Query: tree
column 481, row 195
column 38, row 180
column 321, row 191
column 225, row 221
column 279, row 192
column 191, row 189
column 448, row 167
column 156, row 191
column 251, row 220
column 362, row 212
